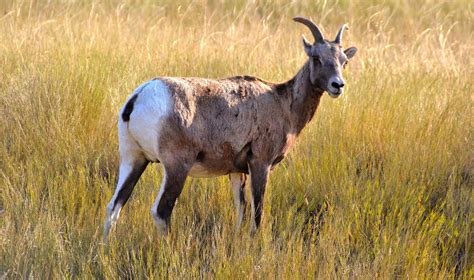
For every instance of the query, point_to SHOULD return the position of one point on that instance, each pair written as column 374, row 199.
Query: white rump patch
column 152, row 105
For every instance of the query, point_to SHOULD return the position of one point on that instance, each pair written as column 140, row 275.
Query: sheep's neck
column 304, row 98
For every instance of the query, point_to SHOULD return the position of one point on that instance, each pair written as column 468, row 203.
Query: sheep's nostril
column 336, row 85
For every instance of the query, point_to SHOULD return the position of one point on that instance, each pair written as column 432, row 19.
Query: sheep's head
column 326, row 59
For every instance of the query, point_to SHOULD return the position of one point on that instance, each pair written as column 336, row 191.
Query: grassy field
column 380, row 184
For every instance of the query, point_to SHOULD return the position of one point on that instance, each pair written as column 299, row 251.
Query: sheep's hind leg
column 237, row 181
column 129, row 173
column 171, row 187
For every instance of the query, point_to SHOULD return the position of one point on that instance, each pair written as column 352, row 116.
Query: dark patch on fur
column 285, row 89
column 242, row 197
column 173, row 185
column 243, row 201
column 127, row 111
column 127, row 187
column 242, row 158
column 278, row 159
column 245, row 78
column 258, row 181
column 250, row 79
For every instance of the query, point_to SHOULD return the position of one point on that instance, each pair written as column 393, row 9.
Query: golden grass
column 379, row 185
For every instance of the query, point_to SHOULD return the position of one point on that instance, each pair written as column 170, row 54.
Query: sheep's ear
column 307, row 46
column 350, row 52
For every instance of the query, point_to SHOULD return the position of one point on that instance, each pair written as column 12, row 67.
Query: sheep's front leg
column 258, row 179
column 237, row 181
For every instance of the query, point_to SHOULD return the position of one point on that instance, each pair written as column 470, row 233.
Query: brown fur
column 240, row 124
column 217, row 119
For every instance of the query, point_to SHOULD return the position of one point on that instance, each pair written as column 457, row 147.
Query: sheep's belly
column 201, row 171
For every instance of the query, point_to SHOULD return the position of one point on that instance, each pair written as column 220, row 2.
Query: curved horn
column 339, row 34
column 317, row 34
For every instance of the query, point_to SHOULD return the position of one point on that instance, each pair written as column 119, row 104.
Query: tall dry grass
column 379, row 185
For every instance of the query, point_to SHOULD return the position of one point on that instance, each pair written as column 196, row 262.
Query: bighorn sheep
column 234, row 126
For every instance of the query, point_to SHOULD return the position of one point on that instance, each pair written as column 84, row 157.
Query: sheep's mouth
column 335, row 93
